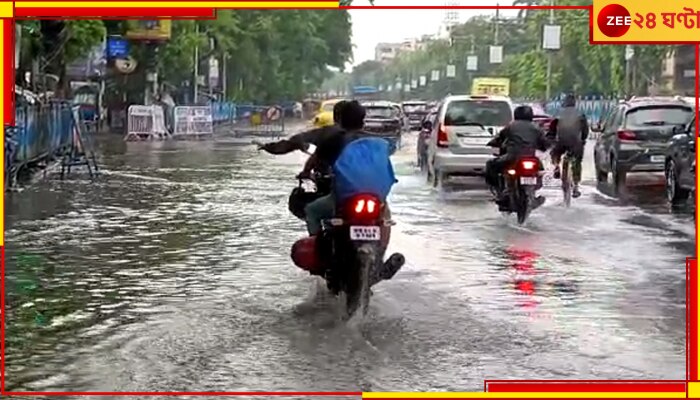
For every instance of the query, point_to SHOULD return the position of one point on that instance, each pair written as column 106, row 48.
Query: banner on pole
column 496, row 54
column 472, row 63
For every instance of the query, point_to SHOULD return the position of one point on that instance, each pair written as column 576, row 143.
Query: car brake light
column 528, row 165
column 442, row 137
column 626, row 135
column 365, row 206
column 511, row 172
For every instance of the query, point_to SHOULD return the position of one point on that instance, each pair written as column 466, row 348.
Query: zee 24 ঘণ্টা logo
column 614, row 20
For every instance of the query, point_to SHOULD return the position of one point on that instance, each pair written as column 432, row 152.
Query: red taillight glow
column 511, row 172
column 365, row 206
column 442, row 136
column 626, row 135
column 528, row 165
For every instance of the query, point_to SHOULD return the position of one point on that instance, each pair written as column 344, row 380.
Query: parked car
column 634, row 137
column 463, row 127
column 384, row 119
column 680, row 164
column 423, row 138
column 416, row 112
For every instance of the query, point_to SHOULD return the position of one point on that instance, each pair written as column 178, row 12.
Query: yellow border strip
column 189, row 4
column 522, row 395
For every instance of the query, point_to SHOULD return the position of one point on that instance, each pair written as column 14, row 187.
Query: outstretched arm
column 300, row 141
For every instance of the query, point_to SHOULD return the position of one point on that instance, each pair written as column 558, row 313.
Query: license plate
column 657, row 159
column 472, row 141
column 528, row 180
column 369, row 233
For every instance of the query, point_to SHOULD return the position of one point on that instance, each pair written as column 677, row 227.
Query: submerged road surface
column 172, row 272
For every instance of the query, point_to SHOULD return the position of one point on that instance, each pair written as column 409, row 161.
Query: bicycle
column 566, row 173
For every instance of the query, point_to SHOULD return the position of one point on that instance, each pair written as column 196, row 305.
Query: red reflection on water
column 523, row 261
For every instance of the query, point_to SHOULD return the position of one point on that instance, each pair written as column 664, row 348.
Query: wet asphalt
column 171, row 272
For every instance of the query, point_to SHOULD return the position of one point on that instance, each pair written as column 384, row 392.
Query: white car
column 463, row 127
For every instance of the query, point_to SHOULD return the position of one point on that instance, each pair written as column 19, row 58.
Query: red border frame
column 499, row 386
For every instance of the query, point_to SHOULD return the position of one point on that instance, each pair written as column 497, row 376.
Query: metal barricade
column 223, row 112
column 42, row 131
column 193, row 122
column 145, row 123
column 264, row 121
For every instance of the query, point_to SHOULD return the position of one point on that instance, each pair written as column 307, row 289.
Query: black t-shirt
column 328, row 150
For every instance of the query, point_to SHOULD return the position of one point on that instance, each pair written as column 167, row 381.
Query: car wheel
column 674, row 192
column 601, row 176
column 619, row 176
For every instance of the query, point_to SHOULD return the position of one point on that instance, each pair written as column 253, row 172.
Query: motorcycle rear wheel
column 522, row 202
column 358, row 291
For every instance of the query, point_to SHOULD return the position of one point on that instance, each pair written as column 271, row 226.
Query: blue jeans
column 318, row 210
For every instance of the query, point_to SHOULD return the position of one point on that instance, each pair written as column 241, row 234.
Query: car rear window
column 659, row 115
column 381, row 112
column 328, row 107
column 413, row 108
column 484, row 112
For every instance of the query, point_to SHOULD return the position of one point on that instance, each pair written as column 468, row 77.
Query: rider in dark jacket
column 571, row 132
column 301, row 141
column 520, row 138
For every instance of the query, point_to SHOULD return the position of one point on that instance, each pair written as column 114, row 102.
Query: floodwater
column 171, row 272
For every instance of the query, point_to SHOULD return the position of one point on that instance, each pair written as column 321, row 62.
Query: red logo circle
column 614, row 20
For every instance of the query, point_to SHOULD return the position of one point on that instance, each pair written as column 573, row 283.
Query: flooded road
column 172, row 273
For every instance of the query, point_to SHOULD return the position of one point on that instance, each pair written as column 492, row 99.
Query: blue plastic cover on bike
column 364, row 166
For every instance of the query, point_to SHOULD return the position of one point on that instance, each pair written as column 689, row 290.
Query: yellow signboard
column 158, row 29
column 491, row 86
column 645, row 22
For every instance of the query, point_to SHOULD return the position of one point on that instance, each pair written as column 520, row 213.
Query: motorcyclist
column 352, row 116
column 520, row 138
column 301, row 141
column 570, row 131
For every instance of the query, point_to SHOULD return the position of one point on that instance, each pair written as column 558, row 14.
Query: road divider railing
column 193, row 122
column 146, row 123
column 259, row 120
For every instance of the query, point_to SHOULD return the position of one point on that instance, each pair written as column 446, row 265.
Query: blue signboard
column 364, row 90
column 117, row 47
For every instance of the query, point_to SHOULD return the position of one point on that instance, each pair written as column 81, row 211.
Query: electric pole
column 549, row 56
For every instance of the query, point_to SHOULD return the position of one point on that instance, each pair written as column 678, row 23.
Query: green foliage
column 271, row 54
column 578, row 66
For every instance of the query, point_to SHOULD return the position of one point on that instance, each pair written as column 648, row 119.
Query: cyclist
column 571, row 133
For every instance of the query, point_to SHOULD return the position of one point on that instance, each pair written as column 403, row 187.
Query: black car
column 415, row 111
column 384, row 120
column 634, row 137
column 680, row 164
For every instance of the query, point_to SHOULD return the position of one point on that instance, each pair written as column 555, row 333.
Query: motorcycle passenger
column 352, row 116
column 301, row 141
column 520, row 138
column 571, row 133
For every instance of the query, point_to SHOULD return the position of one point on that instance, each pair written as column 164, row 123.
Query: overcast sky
column 370, row 27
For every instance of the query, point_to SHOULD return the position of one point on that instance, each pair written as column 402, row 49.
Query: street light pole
column 549, row 56
column 196, row 64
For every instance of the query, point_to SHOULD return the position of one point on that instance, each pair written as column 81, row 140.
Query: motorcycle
column 522, row 179
column 349, row 251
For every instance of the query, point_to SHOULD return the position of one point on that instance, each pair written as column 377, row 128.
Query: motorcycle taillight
column 528, row 166
column 363, row 207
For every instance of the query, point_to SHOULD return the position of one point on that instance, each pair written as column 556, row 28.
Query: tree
column 578, row 66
